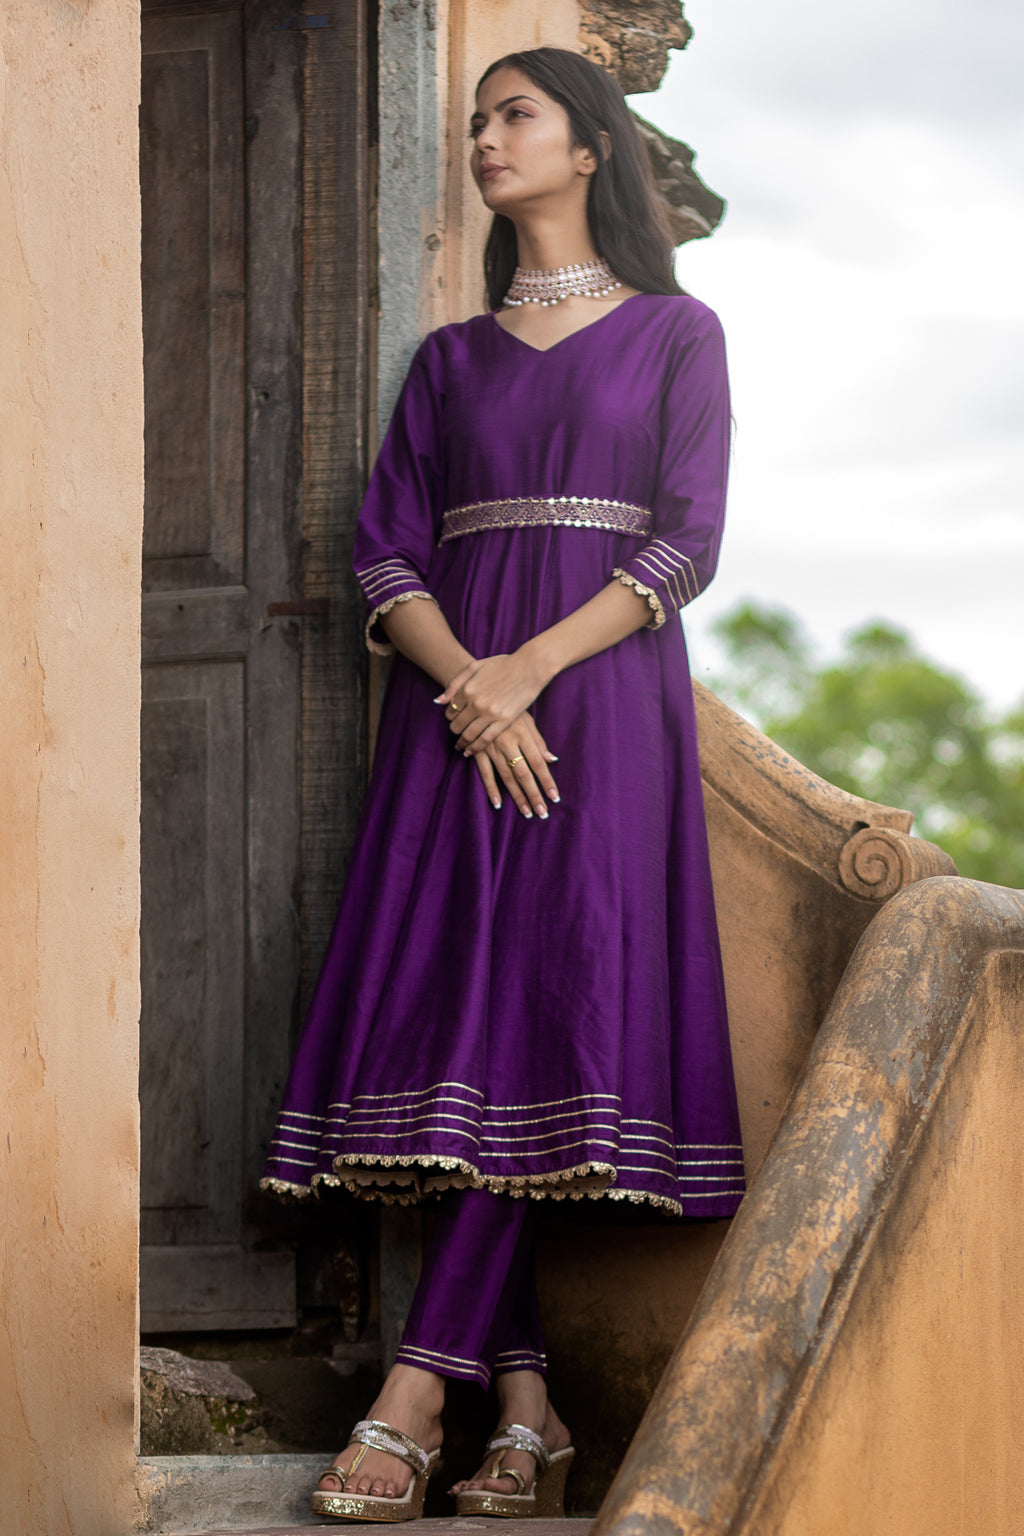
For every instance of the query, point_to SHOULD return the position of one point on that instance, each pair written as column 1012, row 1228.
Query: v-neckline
column 543, row 351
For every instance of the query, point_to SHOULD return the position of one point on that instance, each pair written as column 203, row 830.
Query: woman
column 503, row 1011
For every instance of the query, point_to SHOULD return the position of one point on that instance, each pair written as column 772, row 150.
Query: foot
column 411, row 1400
column 522, row 1399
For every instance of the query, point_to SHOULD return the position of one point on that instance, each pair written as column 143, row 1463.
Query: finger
column 541, row 772
column 491, row 731
column 546, row 753
column 523, row 737
column 456, row 683
column 461, row 722
column 512, row 784
column 526, row 777
column 522, row 776
column 538, row 756
column 486, row 770
column 477, row 734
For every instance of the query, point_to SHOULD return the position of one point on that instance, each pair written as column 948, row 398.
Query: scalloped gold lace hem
column 382, row 647
column 286, row 1187
column 654, row 601
column 401, row 1181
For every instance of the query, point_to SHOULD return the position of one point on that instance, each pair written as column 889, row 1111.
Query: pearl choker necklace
column 589, row 280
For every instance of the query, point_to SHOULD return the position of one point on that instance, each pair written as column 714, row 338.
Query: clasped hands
column 487, row 707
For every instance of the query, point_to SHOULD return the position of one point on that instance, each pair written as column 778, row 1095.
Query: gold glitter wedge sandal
column 374, row 1434
column 547, row 1496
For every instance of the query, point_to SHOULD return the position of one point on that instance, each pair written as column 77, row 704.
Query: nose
column 485, row 139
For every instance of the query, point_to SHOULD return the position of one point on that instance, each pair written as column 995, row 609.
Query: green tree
column 884, row 722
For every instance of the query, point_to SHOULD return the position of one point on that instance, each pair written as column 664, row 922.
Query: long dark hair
column 627, row 225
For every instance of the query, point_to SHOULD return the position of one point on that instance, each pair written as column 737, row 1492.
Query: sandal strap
column 516, row 1437
column 384, row 1437
column 517, row 1477
column 344, row 1473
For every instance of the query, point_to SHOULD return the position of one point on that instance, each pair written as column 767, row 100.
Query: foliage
column 884, row 722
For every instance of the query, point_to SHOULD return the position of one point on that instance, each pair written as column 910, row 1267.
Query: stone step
column 420, row 1527
column 269, row 1496
column 182, row 1494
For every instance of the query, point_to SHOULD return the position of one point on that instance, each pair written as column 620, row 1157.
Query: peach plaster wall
column 70, row 541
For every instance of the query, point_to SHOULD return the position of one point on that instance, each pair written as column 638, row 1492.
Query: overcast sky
column 868, row 272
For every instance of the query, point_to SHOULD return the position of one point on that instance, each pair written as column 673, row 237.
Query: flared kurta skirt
column 535, row 1006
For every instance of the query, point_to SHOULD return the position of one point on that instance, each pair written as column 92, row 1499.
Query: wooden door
column 229, row 565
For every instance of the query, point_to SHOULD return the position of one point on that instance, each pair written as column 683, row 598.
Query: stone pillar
column 70, row 545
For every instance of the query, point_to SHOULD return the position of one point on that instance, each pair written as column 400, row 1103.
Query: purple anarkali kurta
column 535, row 1006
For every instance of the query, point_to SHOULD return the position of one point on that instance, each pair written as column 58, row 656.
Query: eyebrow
column 501, row 105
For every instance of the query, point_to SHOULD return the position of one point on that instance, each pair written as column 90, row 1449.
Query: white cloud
column 868, row 276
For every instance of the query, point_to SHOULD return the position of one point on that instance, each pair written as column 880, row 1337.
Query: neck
column 544, row 245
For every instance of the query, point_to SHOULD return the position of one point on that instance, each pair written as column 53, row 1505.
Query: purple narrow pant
column 475, row 1310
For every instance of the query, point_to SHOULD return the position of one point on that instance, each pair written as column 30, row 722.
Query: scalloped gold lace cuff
column 382, row 647
column 657, row 618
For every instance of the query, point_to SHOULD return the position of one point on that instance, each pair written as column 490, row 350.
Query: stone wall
column 800, row 870
column 856, row 1361
column 70, row 524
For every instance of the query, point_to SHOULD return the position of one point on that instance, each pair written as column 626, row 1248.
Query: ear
column 588, row 160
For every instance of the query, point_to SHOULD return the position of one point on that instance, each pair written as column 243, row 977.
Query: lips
column 488, row 170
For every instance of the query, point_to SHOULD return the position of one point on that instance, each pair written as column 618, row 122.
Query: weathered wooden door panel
column 193, row 931
column 193, row 279
column 220, row 145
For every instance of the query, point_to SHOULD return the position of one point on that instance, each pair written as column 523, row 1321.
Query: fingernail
column 467, row 753
column 542, row 814
column 556, row 797
column 496, row 804
column 528, row 814
column 439, row 698
column 549, row 755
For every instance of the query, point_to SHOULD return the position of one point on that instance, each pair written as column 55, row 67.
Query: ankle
column 424, row 1389
column 521, row 1394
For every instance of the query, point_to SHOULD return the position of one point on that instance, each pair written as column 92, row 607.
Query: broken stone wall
column 632, row 39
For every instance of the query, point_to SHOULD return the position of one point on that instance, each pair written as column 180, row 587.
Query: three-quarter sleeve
column 689, row 500
column 399, row 520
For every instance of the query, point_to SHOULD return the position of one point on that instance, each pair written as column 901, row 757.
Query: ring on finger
column 513, row 760
column 456, row 707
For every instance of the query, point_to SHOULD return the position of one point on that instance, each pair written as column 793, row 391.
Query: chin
column 492, row 195
column 496, row 203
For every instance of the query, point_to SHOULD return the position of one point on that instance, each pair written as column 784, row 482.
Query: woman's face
column 521, row 146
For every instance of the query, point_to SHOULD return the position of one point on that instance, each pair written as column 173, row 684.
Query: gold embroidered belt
column 546, row 512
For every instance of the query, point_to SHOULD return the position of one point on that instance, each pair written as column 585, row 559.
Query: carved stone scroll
column 860, row 847
column 877, row 862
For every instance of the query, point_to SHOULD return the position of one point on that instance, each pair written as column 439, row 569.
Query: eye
column 476, row 128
